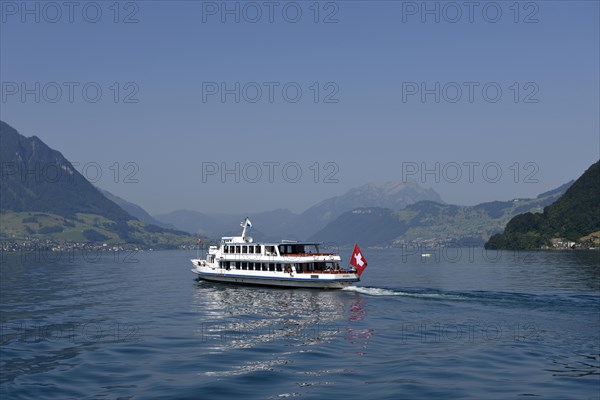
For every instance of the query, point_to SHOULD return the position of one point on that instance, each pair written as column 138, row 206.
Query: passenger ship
column 287, row 263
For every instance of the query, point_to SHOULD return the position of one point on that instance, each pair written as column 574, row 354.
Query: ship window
column 264, row 267
column 279, row 267
column 237, row 249
column 251, row 249
column 257, row 249
column 244, row 266
column 245, row 249
column 232, row 265
column 225, row 249
column 271, row 267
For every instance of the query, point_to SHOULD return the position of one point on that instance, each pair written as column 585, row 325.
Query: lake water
column 459, row 324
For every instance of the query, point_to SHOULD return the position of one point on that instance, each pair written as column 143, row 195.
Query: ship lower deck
column 325, row 280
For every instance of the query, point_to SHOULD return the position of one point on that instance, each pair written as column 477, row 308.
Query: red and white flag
column 358, row 260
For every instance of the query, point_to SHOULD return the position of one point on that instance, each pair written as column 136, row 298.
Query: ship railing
column 339, row 271
column 307, row 254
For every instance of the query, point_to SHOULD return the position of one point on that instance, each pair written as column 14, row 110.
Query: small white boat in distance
column 288, row 263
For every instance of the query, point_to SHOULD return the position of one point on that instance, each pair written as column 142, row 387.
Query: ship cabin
column 285, row 257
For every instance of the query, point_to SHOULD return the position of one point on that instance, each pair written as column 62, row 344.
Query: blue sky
column 161, row 121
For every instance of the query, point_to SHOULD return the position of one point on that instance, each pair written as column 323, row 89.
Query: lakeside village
column 589, row 242
column 39, row 248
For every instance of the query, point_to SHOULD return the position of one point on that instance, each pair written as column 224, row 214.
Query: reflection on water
column 244, row 317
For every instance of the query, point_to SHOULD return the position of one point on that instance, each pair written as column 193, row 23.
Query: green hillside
column 572, row 216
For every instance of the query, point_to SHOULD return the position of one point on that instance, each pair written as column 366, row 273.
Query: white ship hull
column 300, row 280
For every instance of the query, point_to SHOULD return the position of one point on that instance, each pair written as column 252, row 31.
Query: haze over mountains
column 284, row 223
column 373, row 214
column 42, row 195
column 133, row 209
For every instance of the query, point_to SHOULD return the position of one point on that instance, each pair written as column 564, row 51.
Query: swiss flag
column 358, row 260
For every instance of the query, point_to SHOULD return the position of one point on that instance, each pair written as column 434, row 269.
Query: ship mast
column 246, row 224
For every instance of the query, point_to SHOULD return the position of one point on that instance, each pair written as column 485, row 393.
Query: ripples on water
column 525, row 325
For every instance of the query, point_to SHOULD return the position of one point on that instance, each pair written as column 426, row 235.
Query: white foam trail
column 371, row 291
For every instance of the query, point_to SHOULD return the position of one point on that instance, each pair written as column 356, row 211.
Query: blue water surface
column 462, row 323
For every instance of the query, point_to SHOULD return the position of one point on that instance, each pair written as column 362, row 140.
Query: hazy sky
column 299, row 101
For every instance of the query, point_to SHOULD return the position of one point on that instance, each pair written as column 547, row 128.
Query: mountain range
column 282, row 223
column 429, row 220
column 43, row 196
column 372, row 214
column 38, row 178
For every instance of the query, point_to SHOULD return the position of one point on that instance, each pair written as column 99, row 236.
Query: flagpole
column 244, row 225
